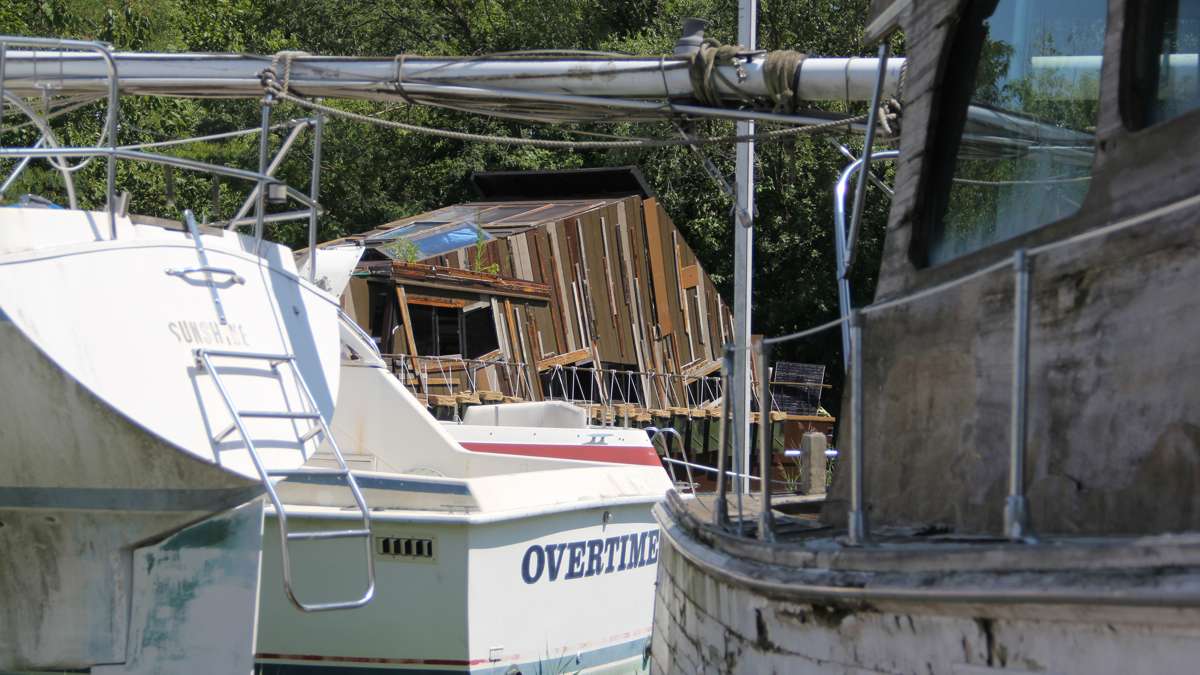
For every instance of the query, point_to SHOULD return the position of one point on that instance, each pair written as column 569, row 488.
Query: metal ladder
column 309, row 412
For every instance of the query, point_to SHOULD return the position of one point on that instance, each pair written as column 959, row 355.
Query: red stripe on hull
column 642, row 455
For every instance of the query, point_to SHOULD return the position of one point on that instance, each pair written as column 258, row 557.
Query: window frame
column 1141, row 45
column 959, row 62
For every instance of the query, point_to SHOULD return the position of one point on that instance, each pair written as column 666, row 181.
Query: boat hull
column 84, row 487
column 738, row 606
column 516, row 594
column 108, row 426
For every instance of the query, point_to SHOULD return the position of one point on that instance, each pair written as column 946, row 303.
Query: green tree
column 372, row 175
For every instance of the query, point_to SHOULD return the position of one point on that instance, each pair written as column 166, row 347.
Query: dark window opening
column 479, row 333
column 1021, row 105
column 381, row 306
column 436, row 330
column 449, row 331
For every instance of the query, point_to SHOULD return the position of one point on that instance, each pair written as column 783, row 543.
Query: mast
column 499, row 79
column 743, row 265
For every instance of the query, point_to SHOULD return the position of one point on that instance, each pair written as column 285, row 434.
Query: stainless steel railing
column 111, row 118
column 108, row 146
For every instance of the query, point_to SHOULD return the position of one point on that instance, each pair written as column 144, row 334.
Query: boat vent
column 404, row 547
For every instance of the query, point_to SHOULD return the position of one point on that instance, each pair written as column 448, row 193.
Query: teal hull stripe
column 565, row 664
column 383, row 483
column 123, row 499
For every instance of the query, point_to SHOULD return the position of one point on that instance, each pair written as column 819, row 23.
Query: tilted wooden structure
column 570, row 285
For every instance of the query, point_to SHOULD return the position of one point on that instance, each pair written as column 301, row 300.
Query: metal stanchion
column 1016, row 511
column 766, row 521
column 314, row 191
column 720, row 509
column 857, row 525
column 260, row 203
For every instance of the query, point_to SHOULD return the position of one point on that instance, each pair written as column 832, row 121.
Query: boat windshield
column 1025, row 151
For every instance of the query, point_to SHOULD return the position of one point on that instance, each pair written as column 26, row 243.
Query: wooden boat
column 1020, row 491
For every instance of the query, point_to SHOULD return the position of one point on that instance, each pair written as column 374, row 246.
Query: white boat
column 519, row 540
column 154, row 376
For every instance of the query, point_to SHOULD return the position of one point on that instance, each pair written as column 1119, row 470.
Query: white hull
column 478, row 605
column 525, row 546
column 107, row 427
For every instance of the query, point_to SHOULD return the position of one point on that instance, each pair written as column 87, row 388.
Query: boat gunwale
column 802, row 574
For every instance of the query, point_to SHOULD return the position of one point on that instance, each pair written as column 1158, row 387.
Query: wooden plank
column 500, row 320
column 433, row 301
column 714, row 320
column 549, row 276
column 683, row 298
column 402, row 300
column 671, row 279
column 580, row 314
column 630, row 222
column 528, row 330
column 702, row 319
column 567, row 359
column 587, row 303
column 521, row 262
column 612, row 298
column 624, row 308
column 449, row 278
column 599, row 287
column 560, row 270
column 514, row 337
column 689, row 276
column 504, row 257
column 702, row 369
column 658, row 267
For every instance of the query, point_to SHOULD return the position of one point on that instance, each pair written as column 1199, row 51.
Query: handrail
column 109, row 145
column 671, row 432
column 309, row 411
column 49, row 139
column 843, row 242
column 137, row 155
column 860, row 192
column 114, row 100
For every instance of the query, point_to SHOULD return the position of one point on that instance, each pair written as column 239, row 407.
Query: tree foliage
column 372, row 175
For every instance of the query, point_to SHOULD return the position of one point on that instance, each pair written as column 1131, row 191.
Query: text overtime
column 588, row 558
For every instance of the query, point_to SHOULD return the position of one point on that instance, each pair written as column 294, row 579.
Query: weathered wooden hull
column 728, row 605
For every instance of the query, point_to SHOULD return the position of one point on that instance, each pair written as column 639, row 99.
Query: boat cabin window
column 1022, row 97
column 1164, row 38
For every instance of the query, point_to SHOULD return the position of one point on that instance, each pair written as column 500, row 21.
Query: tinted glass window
column 1175, row 62
column 1029, row 82
column 442, row 241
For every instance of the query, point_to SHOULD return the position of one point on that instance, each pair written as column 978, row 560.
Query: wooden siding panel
column 658, row 265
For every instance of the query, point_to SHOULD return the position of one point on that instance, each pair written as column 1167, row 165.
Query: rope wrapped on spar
column 781, row 72
column 783, row 93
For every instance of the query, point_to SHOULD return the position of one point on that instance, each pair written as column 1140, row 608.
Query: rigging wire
column 775, row 134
